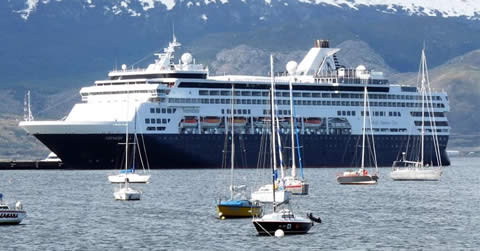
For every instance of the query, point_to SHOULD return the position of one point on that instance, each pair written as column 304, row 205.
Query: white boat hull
column 296, row 186
column 127, row 194
column 11, row 217
column 417, row 174
column 265, row 195
column 132, row 178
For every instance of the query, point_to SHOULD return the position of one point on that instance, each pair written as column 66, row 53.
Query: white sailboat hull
column 127, row 193
column 417, row 173
column 265, row 195
column 132, row 178
column 296, row 186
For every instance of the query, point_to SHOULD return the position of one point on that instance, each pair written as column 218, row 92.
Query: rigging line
column 145, row 150
column 263, row 228
column 139, row 152
column 143, row 59
column 48, row 108
column 371, row 134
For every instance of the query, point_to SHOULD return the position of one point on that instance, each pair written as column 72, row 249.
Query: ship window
column 147, row 121
column 225, row 93
column 265, row 94
column 214, row 93
column 244, row 111
column 316, row 95
column 152, row 110
column 169, row 110
column 203, row 92
column 150, row 128
column 339, row 113
column 164, row 121
column 297, row 94
column 307, row 95
column 161, row 128
column 264, row 102
column 348, row 113
column 248, row 111
column 246, row 93
column 164, row 110
column 353, row 113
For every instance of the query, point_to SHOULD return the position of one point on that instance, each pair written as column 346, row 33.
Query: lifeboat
column 238, row 122
column 210, row 122
column 189, row 122
column 262, row 122
column 313, row 122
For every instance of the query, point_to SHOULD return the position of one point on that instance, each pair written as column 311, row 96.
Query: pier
column 13, row 164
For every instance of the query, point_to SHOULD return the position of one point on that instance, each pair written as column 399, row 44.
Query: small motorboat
column 11, row 215
column 284, row 220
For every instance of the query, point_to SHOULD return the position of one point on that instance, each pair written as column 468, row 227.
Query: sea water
column 75, row 209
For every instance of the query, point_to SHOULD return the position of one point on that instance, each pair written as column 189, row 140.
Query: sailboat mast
column 272, row 117
column 126, row 139
column 232, row 155
column 364, row 125
column 292, row 128
column 422, row 68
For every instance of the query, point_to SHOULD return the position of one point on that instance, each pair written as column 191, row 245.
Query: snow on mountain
column 445, row 8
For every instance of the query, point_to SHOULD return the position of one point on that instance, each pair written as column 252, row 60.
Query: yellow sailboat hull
column 229, row 211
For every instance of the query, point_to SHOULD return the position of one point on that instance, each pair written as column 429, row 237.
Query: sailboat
column 129, row 173
column 418, row 170
column 283, row 220
column 236, row 208
column 294, row 184
column 268, row 193
column 124, row 192
column 361, row 176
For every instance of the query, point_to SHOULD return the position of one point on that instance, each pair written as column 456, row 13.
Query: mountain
column 60, row 44
column 54, row 47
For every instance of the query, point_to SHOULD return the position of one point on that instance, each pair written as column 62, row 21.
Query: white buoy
column 279, row 233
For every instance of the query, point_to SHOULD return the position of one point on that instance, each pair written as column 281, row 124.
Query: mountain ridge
column 137, row 8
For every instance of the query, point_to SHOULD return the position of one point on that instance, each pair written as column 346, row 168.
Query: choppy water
column 76, row 210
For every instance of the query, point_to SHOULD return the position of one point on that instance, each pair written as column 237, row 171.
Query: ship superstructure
column 181, row 112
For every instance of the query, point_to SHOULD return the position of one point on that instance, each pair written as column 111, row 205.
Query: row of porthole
column 8, row 215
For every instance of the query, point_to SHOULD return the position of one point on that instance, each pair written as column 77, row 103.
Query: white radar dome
column 361, row 68
column 291, row 67
column 124, row 66
column 186, row 58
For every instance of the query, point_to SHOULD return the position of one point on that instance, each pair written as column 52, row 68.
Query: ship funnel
column 320, row 43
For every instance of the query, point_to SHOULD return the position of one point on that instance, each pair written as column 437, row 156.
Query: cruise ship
column 179, row 115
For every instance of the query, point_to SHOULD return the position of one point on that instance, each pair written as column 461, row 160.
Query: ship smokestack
column 320, row 43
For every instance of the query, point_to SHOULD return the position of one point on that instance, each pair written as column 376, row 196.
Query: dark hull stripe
column 205, row 151
column 287, row 227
